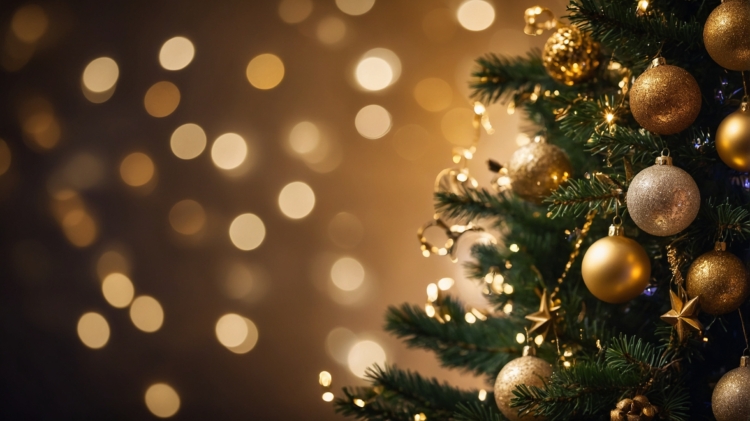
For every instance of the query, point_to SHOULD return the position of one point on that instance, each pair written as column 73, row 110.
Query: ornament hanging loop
column 538, row 19
column 664, row 158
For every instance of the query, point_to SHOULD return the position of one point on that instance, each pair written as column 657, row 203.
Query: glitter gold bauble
column 663, row 199
column 616, row 269
column 726, row 35
column 527, row 370
column 720, row 279
column 733, row 139
column 665, row 99
column 570, row 55
column 538, row 168
column 731, row 397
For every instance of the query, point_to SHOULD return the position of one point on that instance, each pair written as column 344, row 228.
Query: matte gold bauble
column 527, row 370
column 733, row 139
column 665, row 99
column 616, row 269
column 570, row 55
column 731, row 397
column 538, row 168
column 726, row 35
column 663, row 199
column 720, row 279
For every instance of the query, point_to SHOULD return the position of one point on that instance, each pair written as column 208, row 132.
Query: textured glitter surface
column 727, row 35
column 616, row 269
column 531, row 371
column 731, row 398
column 538, row 168
column 720, row 279
column 665, row 99
column 733, row 140
column 570, row 55
column 663, row 200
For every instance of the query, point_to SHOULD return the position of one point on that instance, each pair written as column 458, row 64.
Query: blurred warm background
column 203, row 205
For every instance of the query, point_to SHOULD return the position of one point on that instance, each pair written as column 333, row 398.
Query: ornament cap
column 664, row 160
column 720, row 246
column 616, row 231
column 745, row 361
column 659, row 61
column 529, row 351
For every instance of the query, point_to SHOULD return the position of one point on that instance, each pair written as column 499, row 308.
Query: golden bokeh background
column 205, row 208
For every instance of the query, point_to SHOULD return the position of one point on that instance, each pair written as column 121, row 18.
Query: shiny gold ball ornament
column 719, row 278
column 538, row 168
column 663, row 199
column 726, row 35
column 731, row 398
column 665, row 99
column 570, row 55
column 733, row 139
column 528, row 370
column 616, row 269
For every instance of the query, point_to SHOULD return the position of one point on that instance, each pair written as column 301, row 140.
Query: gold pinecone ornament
column 636, row 409
column 665, row 99
column 570, row 55
column 726, row 35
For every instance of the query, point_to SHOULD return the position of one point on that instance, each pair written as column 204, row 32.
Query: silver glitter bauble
column 731, row 398
column 528, row 370
column 663, row 199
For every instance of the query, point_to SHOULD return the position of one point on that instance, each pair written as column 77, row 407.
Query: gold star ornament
column 683, row 316
column 543, row 318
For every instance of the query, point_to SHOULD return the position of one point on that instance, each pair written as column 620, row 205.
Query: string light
column 642, row 8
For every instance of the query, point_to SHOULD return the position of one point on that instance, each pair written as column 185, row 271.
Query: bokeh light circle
column 161, row 99
column 355, row 7
column 347, row 274
column 476, row 15
column 187, row 217
column 374, row 73
column 296, row 200
column 146, row 314
column 229, row 151
column 93, row 330
column 247, row 231
column 162, row 400
column 101, row 75
column 433, row 94
column 188, row 141
column 137, row 169
column 265, row 71
column 304, row 137
column 373, row 121
column 363, row 355
column 176, row 53
column 295, row 11
column 118, row 290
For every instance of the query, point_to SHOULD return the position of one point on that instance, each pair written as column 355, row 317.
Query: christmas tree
column 624, row 229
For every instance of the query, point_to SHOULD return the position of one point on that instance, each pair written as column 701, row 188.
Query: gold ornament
column 570, row 55
column 527, row 370
column 731, row 398
column 663, row 199
column 733, row 139
column 616, row 269
column 665, row 99
column 538, row 168
column 726, row 35
column 720, row 279
column 683, row 316
column 636, row 409
column 545, row 317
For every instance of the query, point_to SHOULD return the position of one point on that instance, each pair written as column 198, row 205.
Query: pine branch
column 502, row 78
column 578, row 197
column 638, row 145
column 399, row 395
column 615, row 25
column 477, row 347
column 475, row 411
